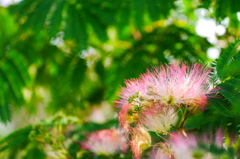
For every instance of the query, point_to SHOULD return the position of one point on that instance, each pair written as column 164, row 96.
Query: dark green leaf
column 223, row 106
column 226, row 62
column 37, row 17
column 78, row 73
column 76, row 29
column 56, row 18
column 138, row 8
column 5, row 112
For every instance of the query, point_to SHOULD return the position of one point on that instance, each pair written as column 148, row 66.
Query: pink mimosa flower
column 160, row 121
column 133, row 91
column 141, row 140
column 185, row 146
column 219, row 137
column 105, row 142
column 171, row 84
column 166, row 86
column 161, row 151
column 180, row 84
column 151, row 101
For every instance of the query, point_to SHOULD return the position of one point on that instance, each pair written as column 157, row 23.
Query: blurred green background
column 72, row 56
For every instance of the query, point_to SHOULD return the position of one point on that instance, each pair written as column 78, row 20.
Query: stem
column 187, row 114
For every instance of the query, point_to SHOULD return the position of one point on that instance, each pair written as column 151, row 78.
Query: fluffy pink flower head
column 171, row 84
column 105, row 142
column 141, row 140
column 159, row 121
column 184, row 147
column 161, row 151
column 217, row 139
column 181, row 84
column 168, row 86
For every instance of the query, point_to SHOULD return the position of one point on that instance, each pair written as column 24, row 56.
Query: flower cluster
column 190, row 146
column 150, row 103
column 105, row 142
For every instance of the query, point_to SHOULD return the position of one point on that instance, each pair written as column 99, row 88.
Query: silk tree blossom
column 140, row 140
column 191, row 146
column 161, row 151
column 217, row 139
column 174, row 85
column 159, row 121
column 151, row 102
column 133, row 92
column 105, row 142
column 185, row 147
column 165, row 86
column 182, row 85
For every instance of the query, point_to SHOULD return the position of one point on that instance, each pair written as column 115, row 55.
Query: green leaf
column 37, row 17
column 15, row 134
column 98, row 27
column 22, row 8
column 56, row 18
column 19, row 64
column 5, row 30
column 123, row 19
column 212, row 148
column 138, row 7
column 10, row 78
column 35, row 152
column 99, row 68
column 228, row 62
column 76, row 29
column 15, row 142
column 14, row 76
column 9, row 87
column 153, row 9
column 5, row 112
column 222, row 105
column 78, row 73
column 229, row 91
column 105, row 15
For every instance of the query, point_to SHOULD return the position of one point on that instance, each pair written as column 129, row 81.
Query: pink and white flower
column 185, row 146
column 174, row 85
column 140, row 140
column 182, row 85
column 161, row 151
column 168, row 86
column 105, row 142
column 151, row 101
column 159, row 121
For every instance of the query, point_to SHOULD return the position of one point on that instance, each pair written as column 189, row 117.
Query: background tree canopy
column 73, row 56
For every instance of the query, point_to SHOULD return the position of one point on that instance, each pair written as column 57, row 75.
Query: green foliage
column 210, row 119
column 94, row 17
column 228, row 71
column 15, row 142
column 35, row 152
column 11, row 89
column 231, row 93
column 10, row 61
column 228, row 63
column 218, row 151
column 222, row 105
column 72, row 55
column 56, row 16
column 231, row 11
